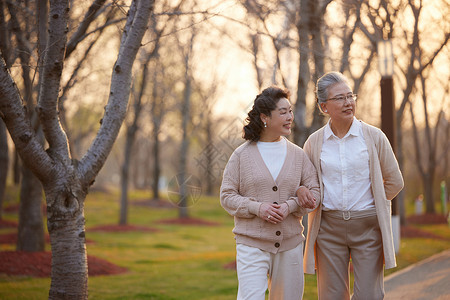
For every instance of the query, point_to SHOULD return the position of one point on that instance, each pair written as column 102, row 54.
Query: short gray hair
column 325, row 82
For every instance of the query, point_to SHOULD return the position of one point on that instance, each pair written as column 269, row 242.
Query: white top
column 273, row 154
column 345, row 170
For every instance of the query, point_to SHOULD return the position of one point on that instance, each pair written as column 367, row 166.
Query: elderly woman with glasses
column 358, row 176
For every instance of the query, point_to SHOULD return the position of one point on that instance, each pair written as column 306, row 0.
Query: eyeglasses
column 342, row 98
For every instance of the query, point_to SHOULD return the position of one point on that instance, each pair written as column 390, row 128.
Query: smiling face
column 278, row 123
column 339, row 111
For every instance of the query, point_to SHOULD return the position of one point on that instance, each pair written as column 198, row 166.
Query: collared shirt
column 345, row 170
column 273, row 154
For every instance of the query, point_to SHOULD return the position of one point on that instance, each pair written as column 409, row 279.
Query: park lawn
column 175, row 261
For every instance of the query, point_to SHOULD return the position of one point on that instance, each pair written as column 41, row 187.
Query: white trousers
column 281, row 273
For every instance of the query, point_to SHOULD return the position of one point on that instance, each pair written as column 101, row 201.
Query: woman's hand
column 284, row 209
column 305, row 198
column 271, row 213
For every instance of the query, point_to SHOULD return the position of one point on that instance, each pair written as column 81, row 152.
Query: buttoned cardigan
column 247, row 183
column 386, row 182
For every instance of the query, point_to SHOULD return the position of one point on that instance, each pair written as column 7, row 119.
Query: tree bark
column 315, row 27
column 301, row 129
column 185, row 115
column 5, row 33
column 209, row 155
column 157, row 164
column 255, row 40
column 65, row 205
column 31, row 226
column 4, row 161
column 157, row 111
column 130, row 138
column 30, row 235
column 16, row 168
column 124, row 178
column 183, row 211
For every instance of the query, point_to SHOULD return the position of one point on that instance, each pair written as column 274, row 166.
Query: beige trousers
column 345, row 235
column 259, row 271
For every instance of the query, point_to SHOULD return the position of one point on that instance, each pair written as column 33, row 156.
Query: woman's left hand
column 305, row 198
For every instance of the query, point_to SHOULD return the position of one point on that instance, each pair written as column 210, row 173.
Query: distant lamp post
column 385, row 58
column 386, row 68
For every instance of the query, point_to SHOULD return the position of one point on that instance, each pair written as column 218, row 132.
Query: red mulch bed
column 412, row 232
column 11, row 238
column 424, row 219
column 121, row 228
column 15, row 208
column 188, row 221
column 154, row 203
column 7, row 224
column 38, row 264
column 427, row 219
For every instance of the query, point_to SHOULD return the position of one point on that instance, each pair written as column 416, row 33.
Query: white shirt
column 345, row 170
column 273, row 154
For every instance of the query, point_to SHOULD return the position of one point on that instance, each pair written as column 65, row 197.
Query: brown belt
column 348, row 214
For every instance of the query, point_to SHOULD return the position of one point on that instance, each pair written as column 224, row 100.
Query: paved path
column 426, row 280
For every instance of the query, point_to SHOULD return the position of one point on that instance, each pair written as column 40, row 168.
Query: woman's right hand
column 271, row 213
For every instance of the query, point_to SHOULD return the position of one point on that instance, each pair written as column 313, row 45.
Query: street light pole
column 388, row 117
column 388, row 109
column 386, row 68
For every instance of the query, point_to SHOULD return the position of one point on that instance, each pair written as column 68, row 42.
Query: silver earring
column 265, row 125
column 325, row 110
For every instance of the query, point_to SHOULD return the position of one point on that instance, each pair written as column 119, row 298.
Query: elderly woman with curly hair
column 268, row 185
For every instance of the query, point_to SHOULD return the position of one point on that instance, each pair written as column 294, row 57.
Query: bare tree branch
column 116, row 108
column 4, row 36
column 15, row 117
column 51, row 78
column 89, row 17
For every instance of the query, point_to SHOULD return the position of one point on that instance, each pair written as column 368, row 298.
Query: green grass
column 175, row 262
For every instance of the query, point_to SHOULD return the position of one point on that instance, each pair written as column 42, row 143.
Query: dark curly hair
column 264, row 103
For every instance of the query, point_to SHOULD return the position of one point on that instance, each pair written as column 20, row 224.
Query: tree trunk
column 130, row 137
column 210, row 176
column 428, row 181
column 157, row 112
column 4, row 159
column 16, row 168
column 183, row 212
column 31, row 227
column 315, row 27
column 300, row 129
column 256, row 42
column 124, row 180
column 30, row 235
column 65, row 206
column 156, row 165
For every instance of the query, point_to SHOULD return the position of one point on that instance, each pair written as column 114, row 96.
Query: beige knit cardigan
column 247, row 183
column 386, row 182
